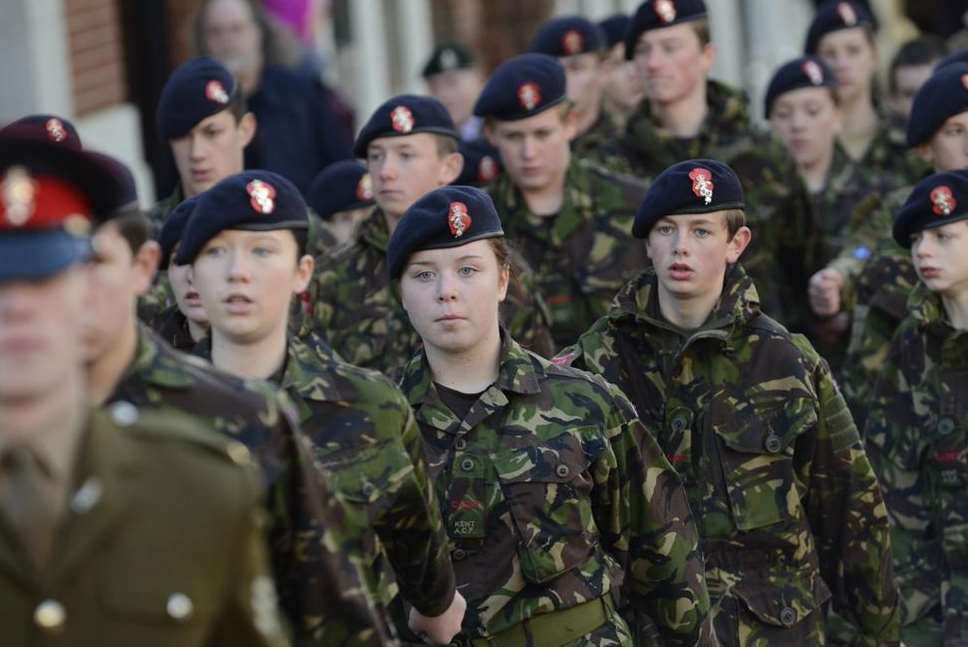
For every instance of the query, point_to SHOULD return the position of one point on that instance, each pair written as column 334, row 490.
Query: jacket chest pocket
column 758, row 468
column 547, row 489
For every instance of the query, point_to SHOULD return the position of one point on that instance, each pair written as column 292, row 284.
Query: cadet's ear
column 247, row 127
column 146, row 264
column 304, row 273
column 926, row 153
column 708, row 58
column 738, row 244
column 453, row 165
column 489, row 133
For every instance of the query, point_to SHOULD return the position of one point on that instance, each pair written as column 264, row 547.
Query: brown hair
column 279, row 46
column 701, row 27
column 135, row 228
column 735, row 220
column 446, row 145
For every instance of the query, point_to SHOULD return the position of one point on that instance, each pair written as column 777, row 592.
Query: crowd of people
column 570, row 353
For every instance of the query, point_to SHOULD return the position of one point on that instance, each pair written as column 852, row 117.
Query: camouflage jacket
column 354, row 306
column 551, row 490
column 172, row 326
column 889, row 153
column 777, row 204
column 364, row 432
column 320, row 589
column 787, row 504
column 589, row 144
column 917, row 438
column 582, row 255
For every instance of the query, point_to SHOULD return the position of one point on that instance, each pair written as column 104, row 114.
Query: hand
column 824, row 292
column 441, row 629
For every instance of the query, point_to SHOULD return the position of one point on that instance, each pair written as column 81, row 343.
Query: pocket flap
column 557, row 460
column 770, row 431
column 783, row 605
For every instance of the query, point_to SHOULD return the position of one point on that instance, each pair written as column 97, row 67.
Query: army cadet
column 911, row 66
column 579, row 45
column 872, row 276
column 623, row 86
column 842, row 34
column 551, row 490
column 341, row 195
column 917, row 430
column 45, row 127
column 688, row 115
column 246, row 243
column 570, row 218
column 128, row 368
column 184, row 323
column 122, row 528
column 410, row 147
column 454, row 78
column 203, row 117
column 788, row 508
column 802, row 106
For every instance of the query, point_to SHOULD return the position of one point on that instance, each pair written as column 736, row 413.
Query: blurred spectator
column 299, row 131
column 454, row 78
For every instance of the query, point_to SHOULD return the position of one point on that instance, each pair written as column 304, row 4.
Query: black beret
column 341, row 186
column 833, row 16
column 961, row 56
column 450, row 216
column 614, row 28
column 804, row 72
column 51, row 192
column 451, row 56
column 406, row 114
column 250, row 201
column 937, row 200
column 482, row 163
column 47, row 127
column 656, row 14
column 195, row 91
column 693, row 186
column 567, row 36
column 942, row 96
column 174, row 227
column 522, row 87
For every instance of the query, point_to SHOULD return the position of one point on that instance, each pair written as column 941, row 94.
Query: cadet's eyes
column 702, row 233
column 466, row 270
column 424, row 276
column 213, row 132
column 213, row 251
column 261, row 251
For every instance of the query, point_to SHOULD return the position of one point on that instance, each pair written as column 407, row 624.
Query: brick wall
column 97, row 54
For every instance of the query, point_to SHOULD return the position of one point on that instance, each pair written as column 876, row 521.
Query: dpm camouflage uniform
column 583, row 254
column 889, row 153
column 828, row 232
column 364, row 433
column 777, row 205
column 787, row 504
column 552, row 493
column 354, row 306
column 321, row 591
column 172, row 326
column 917, row 438
column 588, row 144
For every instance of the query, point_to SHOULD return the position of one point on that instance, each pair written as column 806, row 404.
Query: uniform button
column 788, row 617
column 87, row 496
column 467, row 465
column 679, row 424
column 179, row 607
column 50, row 615
column 562, row 471
column 124, row 413
column 946, row 426
column 772, row 443
column 460, row 444
column 458, row 554
column 239, row 453
column 949, row 477
column 368, row 489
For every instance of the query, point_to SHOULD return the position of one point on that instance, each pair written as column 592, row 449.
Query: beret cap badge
column 17, row 194
column 487, row 170
column 943, row 201
column 847, row 14
column 402, row 119
column 261, row 196
column 364, row 189
column 665, row 10
column 529, row 95
column 458, row 219
column 215, row 91
column 813, row 72
column 55, row 129
column 572, row 42
column 702, row 183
